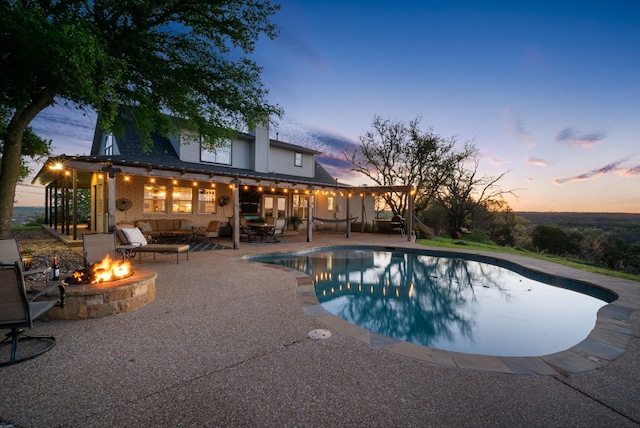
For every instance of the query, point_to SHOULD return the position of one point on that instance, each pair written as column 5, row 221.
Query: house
column 253, row 175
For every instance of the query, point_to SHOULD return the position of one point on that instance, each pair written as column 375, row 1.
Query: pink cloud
column 611, row 168
column 577, row 138
column 536, row 161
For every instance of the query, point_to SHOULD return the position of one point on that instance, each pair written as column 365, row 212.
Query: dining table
column 262, row 229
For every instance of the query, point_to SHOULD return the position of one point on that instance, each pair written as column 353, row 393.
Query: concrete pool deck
column 225, row 343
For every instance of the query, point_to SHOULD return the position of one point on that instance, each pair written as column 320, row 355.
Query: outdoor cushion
column 135, row 236
column 165, row 225
column 186, row 225
column 144, row 226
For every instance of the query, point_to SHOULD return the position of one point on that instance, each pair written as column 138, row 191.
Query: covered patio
column 126, row 192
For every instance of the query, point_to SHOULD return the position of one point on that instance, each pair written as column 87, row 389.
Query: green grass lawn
column 36, row 227
column 482, row 246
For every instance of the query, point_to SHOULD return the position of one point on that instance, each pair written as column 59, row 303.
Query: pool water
column 451, row 302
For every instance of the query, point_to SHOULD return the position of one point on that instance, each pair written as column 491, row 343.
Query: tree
column 188, row 58
column 554, row 240
column 397, row 154
column 465, row 191
column 34, row 148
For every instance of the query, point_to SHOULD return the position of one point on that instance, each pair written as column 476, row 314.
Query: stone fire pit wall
column 108, row 298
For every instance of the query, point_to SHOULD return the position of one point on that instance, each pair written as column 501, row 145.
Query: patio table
column 263, row 229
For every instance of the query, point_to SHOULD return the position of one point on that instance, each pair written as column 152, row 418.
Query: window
column 300, row 206
column 182, row 199
column 330, row 206
column 207, row 201
column 108, row 144
column 220, row 154
column 298, row 159
column 155, row 198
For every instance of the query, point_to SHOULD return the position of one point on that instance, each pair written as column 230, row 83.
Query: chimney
column 261, row 148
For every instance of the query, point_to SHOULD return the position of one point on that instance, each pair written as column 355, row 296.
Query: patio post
column 235, row 190
column 410, row 196
column 309, row 215
column 74, row 176
column 347, row 203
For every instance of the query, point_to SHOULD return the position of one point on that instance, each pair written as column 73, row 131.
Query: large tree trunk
column 10, row 171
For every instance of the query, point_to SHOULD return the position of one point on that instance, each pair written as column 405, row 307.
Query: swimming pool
column 451, row 301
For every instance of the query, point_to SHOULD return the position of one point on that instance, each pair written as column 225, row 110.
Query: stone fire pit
column 107, row 298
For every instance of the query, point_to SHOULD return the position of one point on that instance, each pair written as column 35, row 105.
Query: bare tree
column 465, row 191
column 397, row 154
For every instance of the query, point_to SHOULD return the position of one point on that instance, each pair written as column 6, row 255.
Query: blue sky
column 547, row 90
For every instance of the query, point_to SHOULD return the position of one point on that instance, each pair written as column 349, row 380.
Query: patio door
column 275, row 206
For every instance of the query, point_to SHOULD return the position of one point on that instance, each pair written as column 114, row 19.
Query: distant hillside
column 614, row 225
column 26, row 215
column 582, row 219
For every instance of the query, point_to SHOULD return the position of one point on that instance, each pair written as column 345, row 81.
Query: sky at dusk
column 547, row 90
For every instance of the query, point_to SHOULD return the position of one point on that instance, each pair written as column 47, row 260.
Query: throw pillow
column 144, row 226
column 135, row 236
column 186, row 225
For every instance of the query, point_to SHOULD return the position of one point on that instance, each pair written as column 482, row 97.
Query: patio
column 225, row 343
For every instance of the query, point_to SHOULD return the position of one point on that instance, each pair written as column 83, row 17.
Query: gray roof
column 163, row 156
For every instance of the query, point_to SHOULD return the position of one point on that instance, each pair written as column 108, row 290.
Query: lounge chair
column 211, row 231
column 97, row 246
column 131, row 236
column 18, row 312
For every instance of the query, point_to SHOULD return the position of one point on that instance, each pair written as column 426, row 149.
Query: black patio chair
column 17, row 312
column 10, row 253
column 397, row 225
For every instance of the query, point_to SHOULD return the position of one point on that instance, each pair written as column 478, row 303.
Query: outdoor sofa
column 166, row 227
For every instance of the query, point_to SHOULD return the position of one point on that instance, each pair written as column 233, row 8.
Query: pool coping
column 606, row 342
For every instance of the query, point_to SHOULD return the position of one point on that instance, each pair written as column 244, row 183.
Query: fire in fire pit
column 103, row 271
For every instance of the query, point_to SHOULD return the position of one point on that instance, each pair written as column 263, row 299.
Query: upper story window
column 220, row 154
column 108, row 144
column 297, row 159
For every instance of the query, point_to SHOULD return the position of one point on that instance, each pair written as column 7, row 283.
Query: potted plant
column 295, row 222
column 27, row 258
column 260, row 220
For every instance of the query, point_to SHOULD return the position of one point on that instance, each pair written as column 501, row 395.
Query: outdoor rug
column 204, row 246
